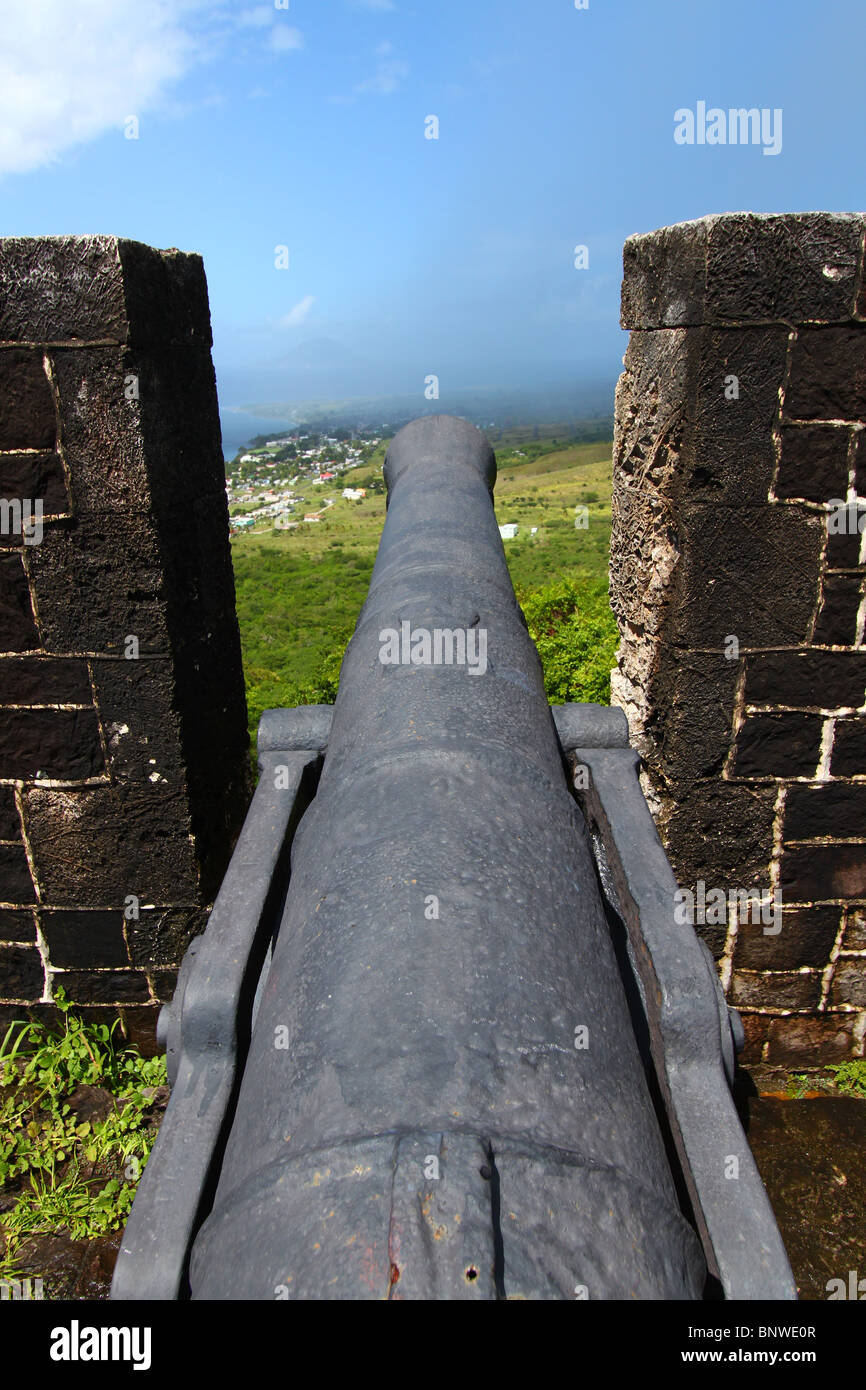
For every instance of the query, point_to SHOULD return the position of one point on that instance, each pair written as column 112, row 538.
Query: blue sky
column 261, row 126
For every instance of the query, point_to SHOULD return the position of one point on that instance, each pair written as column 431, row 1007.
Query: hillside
column 299, row 591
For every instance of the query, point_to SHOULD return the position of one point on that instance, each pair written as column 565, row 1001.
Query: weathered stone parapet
column 737, row 578
column 123, row 744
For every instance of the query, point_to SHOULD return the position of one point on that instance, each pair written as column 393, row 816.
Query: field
column 299, row 592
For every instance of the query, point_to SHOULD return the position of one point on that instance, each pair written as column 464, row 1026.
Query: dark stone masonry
column 738, row 560
column 123, row 746
column 737, row 578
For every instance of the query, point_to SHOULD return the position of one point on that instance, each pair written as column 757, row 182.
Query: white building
column 509, row 531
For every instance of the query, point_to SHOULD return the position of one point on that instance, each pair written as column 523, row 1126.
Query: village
column 266, row 485
column 261, row 493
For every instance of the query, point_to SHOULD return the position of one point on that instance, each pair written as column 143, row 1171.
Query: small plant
column 799, row 1084
column 850, row 1077
column 58, row 1172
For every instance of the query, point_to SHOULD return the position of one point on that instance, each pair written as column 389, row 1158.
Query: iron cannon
column 442, row 1037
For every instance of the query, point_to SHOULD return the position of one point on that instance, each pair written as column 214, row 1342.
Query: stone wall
column 123, row 744
column 737, row 578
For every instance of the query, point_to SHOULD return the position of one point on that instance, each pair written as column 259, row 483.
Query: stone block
column 139, row 1028
column 161, row 935
column 778, row 745
column 860, row 463
column 57, row 744
column 703, row 833
column 17, row 626
column 103, row 986
column 732, row 458
column 163, row 984
column 793, row 267
column 102, row 575
column 691, row 697
column 829, row 1038
column 16, row 884
column 849, row 983
column 100, row 288
column 95, row 846
column 814, row 462
column 848, row 758
column 137, row 704
column 17, row 925
column 835, row 810
column 823, row 873
column 747, row 571
column 743, row 268
column 10, row 826
column 39, row 680
column 82, row 939
column 840, row 605
column 789, row 989
column 855, row 930
column 807, row 938
column 757, row 1030
column 21, row 973
column 664, row 276
column 806, row 679
column 844, row 545
column 31, row 478
column 828, row 375
column 27, row 418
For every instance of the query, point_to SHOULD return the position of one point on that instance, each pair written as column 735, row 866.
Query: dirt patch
column 810, row 1156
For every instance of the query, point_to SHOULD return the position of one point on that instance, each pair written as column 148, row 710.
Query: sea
column 239, row 427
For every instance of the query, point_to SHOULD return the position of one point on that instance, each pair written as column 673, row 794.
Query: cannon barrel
column 439, row 1091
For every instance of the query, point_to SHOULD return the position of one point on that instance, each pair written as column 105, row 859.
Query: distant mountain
column 571, row 406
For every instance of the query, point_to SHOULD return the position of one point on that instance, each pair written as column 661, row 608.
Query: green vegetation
column 849, row 1079
column 59, row 1171
column 572, row 627
column 299, row 592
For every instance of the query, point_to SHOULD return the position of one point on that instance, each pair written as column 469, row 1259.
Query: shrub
column 572, row 626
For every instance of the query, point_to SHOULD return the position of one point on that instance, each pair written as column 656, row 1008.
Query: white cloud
column 286, row 40
column 299, row 313
column 70, row 72
column 259, row 17
column 390, row 72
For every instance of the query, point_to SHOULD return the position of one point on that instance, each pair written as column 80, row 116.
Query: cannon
column 443, row 1037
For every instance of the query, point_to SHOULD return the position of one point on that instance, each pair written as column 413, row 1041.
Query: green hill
column 299, row 591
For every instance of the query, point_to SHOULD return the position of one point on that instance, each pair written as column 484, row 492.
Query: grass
column 59, row 1173
column 299, row 592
